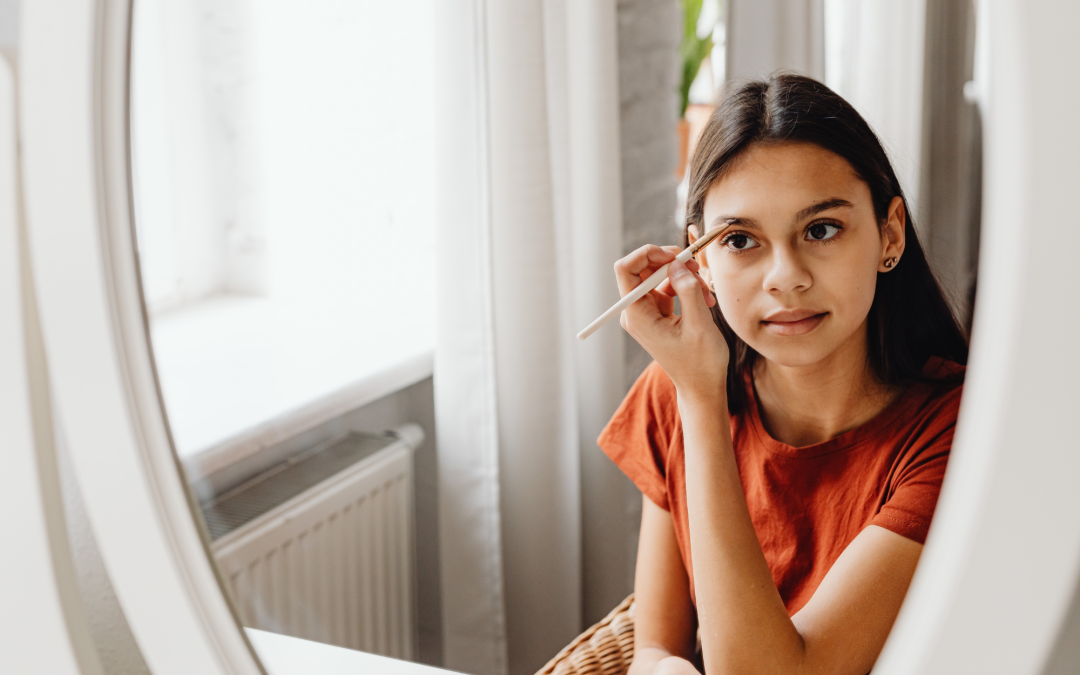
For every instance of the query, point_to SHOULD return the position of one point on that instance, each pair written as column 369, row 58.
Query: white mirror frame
column 31, row 590
column 74, row 110
column 1003, row 555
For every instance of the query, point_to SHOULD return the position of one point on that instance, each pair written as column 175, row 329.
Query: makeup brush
column 649, row 284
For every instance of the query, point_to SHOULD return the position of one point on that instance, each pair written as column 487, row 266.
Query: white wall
column 274, row 149
column 649, row 71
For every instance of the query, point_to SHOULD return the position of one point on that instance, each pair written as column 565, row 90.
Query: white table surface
column 284, row 655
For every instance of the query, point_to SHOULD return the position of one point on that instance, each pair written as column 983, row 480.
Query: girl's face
column 795, row 271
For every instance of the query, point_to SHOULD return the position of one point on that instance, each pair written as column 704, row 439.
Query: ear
column 702, row 259
column 893, row 236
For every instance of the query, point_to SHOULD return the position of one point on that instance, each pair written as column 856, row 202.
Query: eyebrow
column 812, row 210
column 728, row 221
column 826, row 205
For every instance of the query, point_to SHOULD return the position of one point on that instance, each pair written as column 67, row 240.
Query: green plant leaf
column 693, row 50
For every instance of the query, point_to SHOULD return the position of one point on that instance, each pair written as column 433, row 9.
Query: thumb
column 688, row 288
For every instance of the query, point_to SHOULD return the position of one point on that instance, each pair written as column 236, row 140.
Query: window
column 283, row 154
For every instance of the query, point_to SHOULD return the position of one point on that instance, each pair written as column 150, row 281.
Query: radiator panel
column 335, row 563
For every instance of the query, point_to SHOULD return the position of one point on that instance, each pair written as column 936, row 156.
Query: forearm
column 745, row 627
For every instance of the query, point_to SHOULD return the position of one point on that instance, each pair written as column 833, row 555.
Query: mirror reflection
column 279, row 158
column 318, row 186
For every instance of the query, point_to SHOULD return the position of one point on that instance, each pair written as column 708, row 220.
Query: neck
column 804, row 405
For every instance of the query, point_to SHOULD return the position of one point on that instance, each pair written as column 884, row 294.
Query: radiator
column 321, row 547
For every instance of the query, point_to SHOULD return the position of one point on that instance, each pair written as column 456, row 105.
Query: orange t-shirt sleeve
column 640, row 433
column 912, row 497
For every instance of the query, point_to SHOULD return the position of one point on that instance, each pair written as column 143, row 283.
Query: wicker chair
column 606, row 648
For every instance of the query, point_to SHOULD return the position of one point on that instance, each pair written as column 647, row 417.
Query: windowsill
column 239, row 374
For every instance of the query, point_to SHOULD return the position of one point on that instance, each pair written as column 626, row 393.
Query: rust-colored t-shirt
column 808, row 503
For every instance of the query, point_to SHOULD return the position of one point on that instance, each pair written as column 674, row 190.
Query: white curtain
column 528, row 225
column 875, row 54
column 871, row 52
column 767, row 35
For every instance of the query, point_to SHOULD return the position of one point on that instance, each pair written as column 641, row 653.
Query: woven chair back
column 606, row 648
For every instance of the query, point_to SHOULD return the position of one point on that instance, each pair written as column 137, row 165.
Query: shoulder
column 944, row 375
column 651, row 405
column 656, row 383
column 923, row 441
column 937, row 395
column 643, row 431
column 923, row 433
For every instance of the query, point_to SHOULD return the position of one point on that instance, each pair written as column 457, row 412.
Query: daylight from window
column 283, row 175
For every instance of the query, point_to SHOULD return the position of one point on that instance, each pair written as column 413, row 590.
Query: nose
column 786, row 272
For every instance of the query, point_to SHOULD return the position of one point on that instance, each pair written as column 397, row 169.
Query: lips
column 791, row 322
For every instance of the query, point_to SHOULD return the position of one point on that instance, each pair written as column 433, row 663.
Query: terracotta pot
column 683, row 131
column 689, row 129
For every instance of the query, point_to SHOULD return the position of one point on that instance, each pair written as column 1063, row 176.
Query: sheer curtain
column 875, row 56
column 767, row 35
column 870, row 52
column 528, row 225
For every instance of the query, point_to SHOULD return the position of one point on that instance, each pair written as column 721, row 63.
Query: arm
column 745, row 627
column 664, row 622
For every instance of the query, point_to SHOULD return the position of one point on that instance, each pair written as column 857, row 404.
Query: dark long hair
column 910, row 320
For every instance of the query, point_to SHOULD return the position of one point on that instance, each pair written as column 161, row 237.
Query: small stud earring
column 890, row 262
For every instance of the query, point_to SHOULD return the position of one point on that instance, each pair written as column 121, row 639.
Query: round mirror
column 283, row 178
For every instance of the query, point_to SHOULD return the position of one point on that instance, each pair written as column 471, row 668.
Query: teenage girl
column 791, row 436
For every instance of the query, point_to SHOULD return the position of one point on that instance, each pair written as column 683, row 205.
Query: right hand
column 689, row 347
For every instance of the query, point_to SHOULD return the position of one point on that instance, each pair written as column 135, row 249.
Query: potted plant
column 693, row 51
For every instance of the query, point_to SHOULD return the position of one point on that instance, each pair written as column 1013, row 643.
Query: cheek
column 737, row 282
column 850, row 288
column 735, row 292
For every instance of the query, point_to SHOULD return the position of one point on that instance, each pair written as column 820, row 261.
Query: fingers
column 710, row 299
column 666, row 288
column 693, row 297
column 665, row 285
column 633, row 269
column 630, row 270
column 664, row 303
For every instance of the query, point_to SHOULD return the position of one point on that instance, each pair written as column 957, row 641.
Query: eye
column 738, row 241
column 822, row 231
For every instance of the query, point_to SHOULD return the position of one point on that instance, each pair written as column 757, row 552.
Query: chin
column 794, row 352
